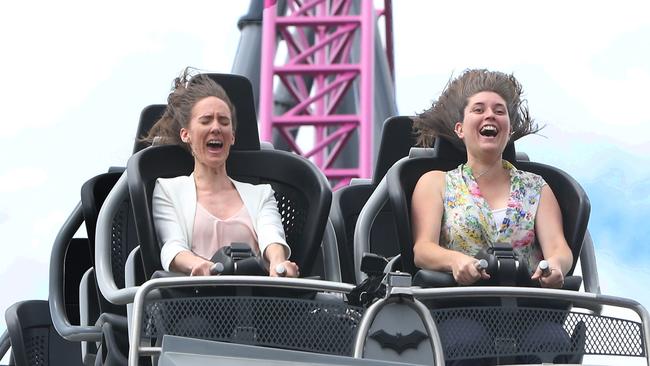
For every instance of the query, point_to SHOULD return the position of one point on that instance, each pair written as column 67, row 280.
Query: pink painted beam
column 334, row 153
column 315, row 120
column 341, row 172
column 343, row 182
column 300, row 94
column 323, row 43
column 319, row 95
column 290, row 140
column 304, row 8
column 337, row 53
column 331, row 138
column 366, row 90
column 316, row 21
column 266, row 70
column 337, row 97
column 316, row 69
column 326, row 58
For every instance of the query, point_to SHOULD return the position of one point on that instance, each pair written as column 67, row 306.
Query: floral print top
column 468, row 225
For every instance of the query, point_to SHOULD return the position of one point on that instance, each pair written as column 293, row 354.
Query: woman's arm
column 271, row 238
column 190, row 263
column 276, row 254
column 175, row 254
column 550, row 234
column 426, row 219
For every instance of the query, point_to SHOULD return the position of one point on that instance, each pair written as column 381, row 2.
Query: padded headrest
column 397, row 137
column 240, row 91
column 148, row 117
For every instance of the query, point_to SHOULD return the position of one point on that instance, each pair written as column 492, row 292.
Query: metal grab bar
column 103, row 238
column 136, row 349
column 56, row 299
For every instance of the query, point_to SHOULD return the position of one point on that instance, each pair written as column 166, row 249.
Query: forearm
column 548, row 228
column 434, row 257
column 185, row 261
column 461, row 266
column 560, row 258
column 275, row 253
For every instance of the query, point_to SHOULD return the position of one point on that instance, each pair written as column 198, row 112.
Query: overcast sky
column 77, row 73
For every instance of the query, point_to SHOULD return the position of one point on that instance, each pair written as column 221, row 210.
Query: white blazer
column 174, row 208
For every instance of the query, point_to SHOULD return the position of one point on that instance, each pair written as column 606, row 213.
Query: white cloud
column 451, row 36
column 581, row 75
column 51, row 221
column 30, row 239
column 66, row 48
column 22, row 179
column 620, row 277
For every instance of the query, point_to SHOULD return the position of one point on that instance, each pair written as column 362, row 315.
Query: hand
column 290, row 269
column 202, row 268
column 466, row 272
column 276, row 255
column 555, row 278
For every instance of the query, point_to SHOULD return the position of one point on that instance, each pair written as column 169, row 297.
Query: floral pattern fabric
column 468, row 225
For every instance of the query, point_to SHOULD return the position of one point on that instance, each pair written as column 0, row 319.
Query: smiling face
column 486, row 124
column 210, row 132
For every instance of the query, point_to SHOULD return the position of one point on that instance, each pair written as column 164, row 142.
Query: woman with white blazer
column 196, row 215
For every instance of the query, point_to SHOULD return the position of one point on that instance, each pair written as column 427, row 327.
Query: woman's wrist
column 275, row 253
column 186, row 262
column 555, row 264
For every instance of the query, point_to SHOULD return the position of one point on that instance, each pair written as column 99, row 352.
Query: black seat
column 148, row 117
column 34, row 341
column 575, row 207
column 303, row 194
column 301, row 190
column 70, row 259
column 573, row 200
column 110, row 317
column 403, row 176
column 114, row 236
column 396, row 140
column 72, row 264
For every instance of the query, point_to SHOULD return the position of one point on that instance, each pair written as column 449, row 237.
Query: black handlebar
column 238, row 259
column 500, row 262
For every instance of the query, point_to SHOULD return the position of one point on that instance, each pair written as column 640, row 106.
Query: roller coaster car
column 525, row 324
column 385, row 320
column 303, row 197
column 404, row 324
column 347, row 202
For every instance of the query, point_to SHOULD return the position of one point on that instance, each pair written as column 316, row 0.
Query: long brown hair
column 187, row 90
column 439, row 120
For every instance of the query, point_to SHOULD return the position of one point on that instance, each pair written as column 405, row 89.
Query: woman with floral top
column 486, row 200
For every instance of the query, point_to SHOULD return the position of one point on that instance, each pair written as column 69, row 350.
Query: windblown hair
column 187, row 90
column 440, row 119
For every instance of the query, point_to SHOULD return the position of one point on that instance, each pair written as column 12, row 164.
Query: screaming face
column 486, row 124
column 210, row 132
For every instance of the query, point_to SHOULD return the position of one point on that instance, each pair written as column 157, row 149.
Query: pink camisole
column 211, row 233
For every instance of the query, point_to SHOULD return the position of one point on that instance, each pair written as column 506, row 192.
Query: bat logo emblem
column 398, row 342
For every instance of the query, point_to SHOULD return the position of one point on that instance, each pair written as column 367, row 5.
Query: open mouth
column 489, row 131
column 215, row 144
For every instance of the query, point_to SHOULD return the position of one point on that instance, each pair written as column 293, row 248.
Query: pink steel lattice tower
column 325, row 59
